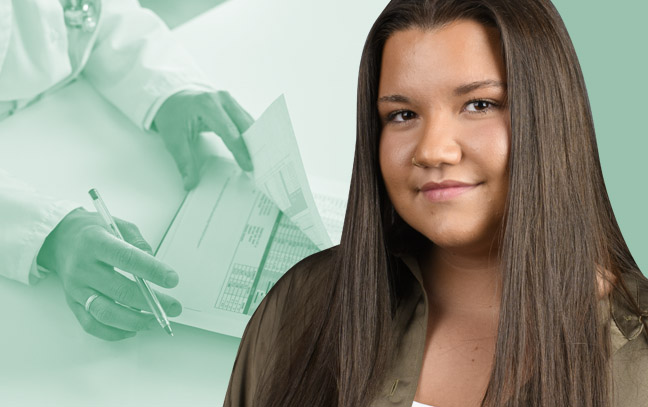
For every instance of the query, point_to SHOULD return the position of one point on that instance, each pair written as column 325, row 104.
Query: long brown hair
column 559, row 230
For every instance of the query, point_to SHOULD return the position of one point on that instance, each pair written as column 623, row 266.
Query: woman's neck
column 460, row 284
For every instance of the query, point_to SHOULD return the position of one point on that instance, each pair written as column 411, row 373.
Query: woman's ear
column 605, row 281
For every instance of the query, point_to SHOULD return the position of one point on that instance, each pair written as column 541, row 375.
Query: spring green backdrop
column 610, row 41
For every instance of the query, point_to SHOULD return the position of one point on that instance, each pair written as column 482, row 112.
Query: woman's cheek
column 396, row 150
column 391, row 160
column 491, row 145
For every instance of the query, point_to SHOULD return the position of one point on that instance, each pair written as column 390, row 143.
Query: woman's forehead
column 461, row 52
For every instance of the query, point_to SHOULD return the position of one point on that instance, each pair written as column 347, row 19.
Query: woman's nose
column 437, row 144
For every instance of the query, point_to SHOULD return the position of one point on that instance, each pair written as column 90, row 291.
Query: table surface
column 46, row 358
column 256, row 49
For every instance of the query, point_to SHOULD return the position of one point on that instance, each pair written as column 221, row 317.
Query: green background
column 609, row 38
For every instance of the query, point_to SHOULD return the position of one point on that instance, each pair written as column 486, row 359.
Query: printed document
column 236, row 233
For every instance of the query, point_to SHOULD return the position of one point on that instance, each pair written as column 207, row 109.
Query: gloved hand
column 183, row 116
column 83, row 253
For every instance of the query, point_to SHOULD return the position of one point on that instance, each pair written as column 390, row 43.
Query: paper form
column 279, row 171
column 230, row 243
column 331, row 200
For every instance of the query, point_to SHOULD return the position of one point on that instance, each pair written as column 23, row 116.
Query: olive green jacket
column 629, row 342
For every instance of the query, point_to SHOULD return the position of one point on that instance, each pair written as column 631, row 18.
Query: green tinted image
column 220, row 135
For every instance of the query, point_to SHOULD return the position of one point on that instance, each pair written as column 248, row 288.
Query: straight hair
column 558, row 233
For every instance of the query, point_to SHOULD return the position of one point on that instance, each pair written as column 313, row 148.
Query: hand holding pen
column 149, row 296
column 84, row 253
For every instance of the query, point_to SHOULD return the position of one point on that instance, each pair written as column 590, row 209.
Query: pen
column 151, row 299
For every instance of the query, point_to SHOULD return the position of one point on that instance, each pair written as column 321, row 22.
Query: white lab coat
column 131, row 59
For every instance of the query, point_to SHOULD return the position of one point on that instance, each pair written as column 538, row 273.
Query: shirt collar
column 626, row 319
column 412, row 264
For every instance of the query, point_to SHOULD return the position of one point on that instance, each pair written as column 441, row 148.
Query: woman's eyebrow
column 469, row 87
column 458, row 91
column 394, row 99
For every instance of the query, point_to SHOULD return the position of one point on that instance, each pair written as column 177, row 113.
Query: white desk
column 73, row 140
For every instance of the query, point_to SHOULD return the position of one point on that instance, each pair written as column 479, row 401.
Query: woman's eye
column 479, row 106
column 401, row 116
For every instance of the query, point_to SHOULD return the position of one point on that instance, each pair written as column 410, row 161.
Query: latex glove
column 83, row 253
column 183, row 116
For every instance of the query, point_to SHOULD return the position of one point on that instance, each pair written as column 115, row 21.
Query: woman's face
column 441, row 102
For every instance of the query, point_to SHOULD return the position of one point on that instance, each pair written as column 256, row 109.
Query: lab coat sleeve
column 136, row 63
column 26, row 218
column 5, row 28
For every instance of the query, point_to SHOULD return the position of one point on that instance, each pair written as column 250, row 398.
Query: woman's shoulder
column 282, row 316
column 301, row 288
column 310, row 270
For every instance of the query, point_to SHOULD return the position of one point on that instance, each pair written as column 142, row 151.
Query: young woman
column 480, row 263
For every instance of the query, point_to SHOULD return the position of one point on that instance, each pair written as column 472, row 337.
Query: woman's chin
column 462, row 243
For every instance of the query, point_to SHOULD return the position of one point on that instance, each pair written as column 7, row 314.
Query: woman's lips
column 446, row 190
